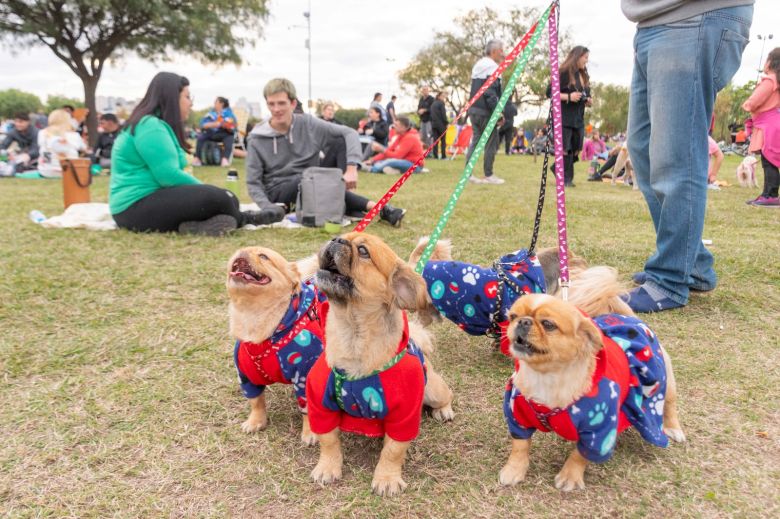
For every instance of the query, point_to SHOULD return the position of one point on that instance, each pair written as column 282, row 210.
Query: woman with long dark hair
column 575, row 96
column 149, row 190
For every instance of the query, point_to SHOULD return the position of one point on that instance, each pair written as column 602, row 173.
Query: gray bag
column 320, row 197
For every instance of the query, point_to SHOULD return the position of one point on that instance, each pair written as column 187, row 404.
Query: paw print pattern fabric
column 628, row 389
column 467, row 294
column 386, row 402
column 271, row 361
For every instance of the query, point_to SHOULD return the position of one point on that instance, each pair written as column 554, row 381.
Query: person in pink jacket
column 764, row 128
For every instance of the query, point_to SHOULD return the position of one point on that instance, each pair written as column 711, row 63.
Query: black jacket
column 573, row 114
column 439, row 115
column 487, row 103
column 425, row 102
column 27, row 141
column 381, row 131
column 104, row 145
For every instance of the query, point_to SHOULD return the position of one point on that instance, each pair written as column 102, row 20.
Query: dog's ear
column 408, row 288
column 590, row 334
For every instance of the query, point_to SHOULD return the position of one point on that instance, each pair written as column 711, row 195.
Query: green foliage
column 728, row 109
column 609, row 113
column 13, row 101
column 445, row 64
column 58, row 101
column 86, row 33
column 533, row 124
column 351, row 116
column 195, row 116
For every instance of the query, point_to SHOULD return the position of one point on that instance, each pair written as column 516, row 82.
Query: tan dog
column 746, row 172
column 587, row 380
column 263, row 287
column 369, row 287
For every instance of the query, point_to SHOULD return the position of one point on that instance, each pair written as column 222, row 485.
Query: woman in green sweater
column 150, row 191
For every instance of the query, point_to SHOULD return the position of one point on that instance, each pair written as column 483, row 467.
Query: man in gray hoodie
column 685, row 51
column 288, row 143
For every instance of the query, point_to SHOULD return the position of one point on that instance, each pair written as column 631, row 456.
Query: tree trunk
column 90, row 88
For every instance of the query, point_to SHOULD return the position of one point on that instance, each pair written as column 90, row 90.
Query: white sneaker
column 475, row 180
column 713, row 187
column 387, row 170
column 492, row 180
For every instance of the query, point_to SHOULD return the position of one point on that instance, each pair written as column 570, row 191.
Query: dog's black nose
column 523, row 326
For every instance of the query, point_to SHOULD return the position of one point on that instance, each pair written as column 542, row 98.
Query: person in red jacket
column 402, row 152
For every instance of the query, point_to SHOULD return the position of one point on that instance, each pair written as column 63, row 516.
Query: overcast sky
column 357, row 49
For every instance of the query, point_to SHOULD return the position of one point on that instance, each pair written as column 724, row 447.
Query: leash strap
column 340, row 378
column 555, row 104
column 461, row 185
column 542, row 188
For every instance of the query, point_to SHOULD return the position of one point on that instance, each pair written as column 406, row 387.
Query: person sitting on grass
column 25, row 138
column 716, row 159
column 405, row 149
column 149, row 189
column 377, row 128
column 105, row 143
column 328, row 114
column 280, row 149
column 57, row 141
column 219, row 125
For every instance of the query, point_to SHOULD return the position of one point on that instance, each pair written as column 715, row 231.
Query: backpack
column 211, row 154
column 320, row 197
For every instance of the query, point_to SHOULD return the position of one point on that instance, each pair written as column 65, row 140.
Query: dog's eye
column 549, row 325
column 363, row 251
column 512, row 317
column 263, row 257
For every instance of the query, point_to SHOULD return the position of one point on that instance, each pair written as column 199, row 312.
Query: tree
column 13, row 101
column 58, row 101
column 728, row 109
column 609, row 112
column 85, row 34
column 446, row 63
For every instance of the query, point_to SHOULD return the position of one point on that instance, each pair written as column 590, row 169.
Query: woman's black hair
column 375, row 109
column 224, row 101
column 162, row 100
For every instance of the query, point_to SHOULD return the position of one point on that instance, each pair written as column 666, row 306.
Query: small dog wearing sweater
column 276, row 320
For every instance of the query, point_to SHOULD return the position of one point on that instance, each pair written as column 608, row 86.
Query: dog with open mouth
column 478, row 298
column 277, row 320
column 375, row 375
column 586, row 380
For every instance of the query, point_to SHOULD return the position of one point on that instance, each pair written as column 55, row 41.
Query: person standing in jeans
column 424, row 111
column 575, row 96
column 684, row 53
column 480, row 111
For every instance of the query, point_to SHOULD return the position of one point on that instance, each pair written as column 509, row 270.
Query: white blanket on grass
column 97, row 217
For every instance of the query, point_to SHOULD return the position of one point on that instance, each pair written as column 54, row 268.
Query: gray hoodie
column 648, row 13
column 274, row 158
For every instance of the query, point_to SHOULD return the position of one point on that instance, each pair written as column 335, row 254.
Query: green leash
column 450, row 207
column 341, row 378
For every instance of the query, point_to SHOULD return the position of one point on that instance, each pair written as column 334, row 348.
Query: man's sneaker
column 218, row 225
column 493, row 180
column 767, row 201
column 640, row 277
column 475, row 180
column 392, row 215
column 264, row 216
column 387, row 170
column 594, row 178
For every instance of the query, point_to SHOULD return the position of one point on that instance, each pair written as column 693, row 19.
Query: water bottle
column 37, row 216
column 231, row 182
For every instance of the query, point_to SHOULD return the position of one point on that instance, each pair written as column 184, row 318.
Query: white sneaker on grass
column 475, row 180
column 493, row 180
column 387, row 170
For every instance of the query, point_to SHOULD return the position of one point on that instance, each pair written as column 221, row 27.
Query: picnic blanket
column 96, row 217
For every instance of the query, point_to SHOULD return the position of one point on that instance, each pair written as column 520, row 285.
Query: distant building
column 253, row 109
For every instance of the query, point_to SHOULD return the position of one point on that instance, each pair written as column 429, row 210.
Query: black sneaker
column 218, row 225
column 594, row 178
column 263, row 217
column 392, row 215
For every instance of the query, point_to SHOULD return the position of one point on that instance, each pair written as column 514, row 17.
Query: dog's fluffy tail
column 597, row 291
column 441, row 252
column 307, row 266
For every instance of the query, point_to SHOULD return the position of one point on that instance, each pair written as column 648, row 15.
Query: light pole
column 307, row 15
column 761, row 57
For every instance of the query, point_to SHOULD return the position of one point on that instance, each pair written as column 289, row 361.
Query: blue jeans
column 401, row 164
column 678, row 70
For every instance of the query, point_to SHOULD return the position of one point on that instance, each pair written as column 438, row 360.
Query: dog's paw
column 326, row 472
column 675, row 434
column 512, row 474
column 308, row 438
column 443, row 414
column 252, row 425
column 387, row 485
column 568, row 480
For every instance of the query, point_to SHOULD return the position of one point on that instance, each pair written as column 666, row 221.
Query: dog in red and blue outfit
column 586, row 380
column 278, row 323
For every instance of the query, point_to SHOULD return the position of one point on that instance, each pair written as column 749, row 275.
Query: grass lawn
column 119, row 396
